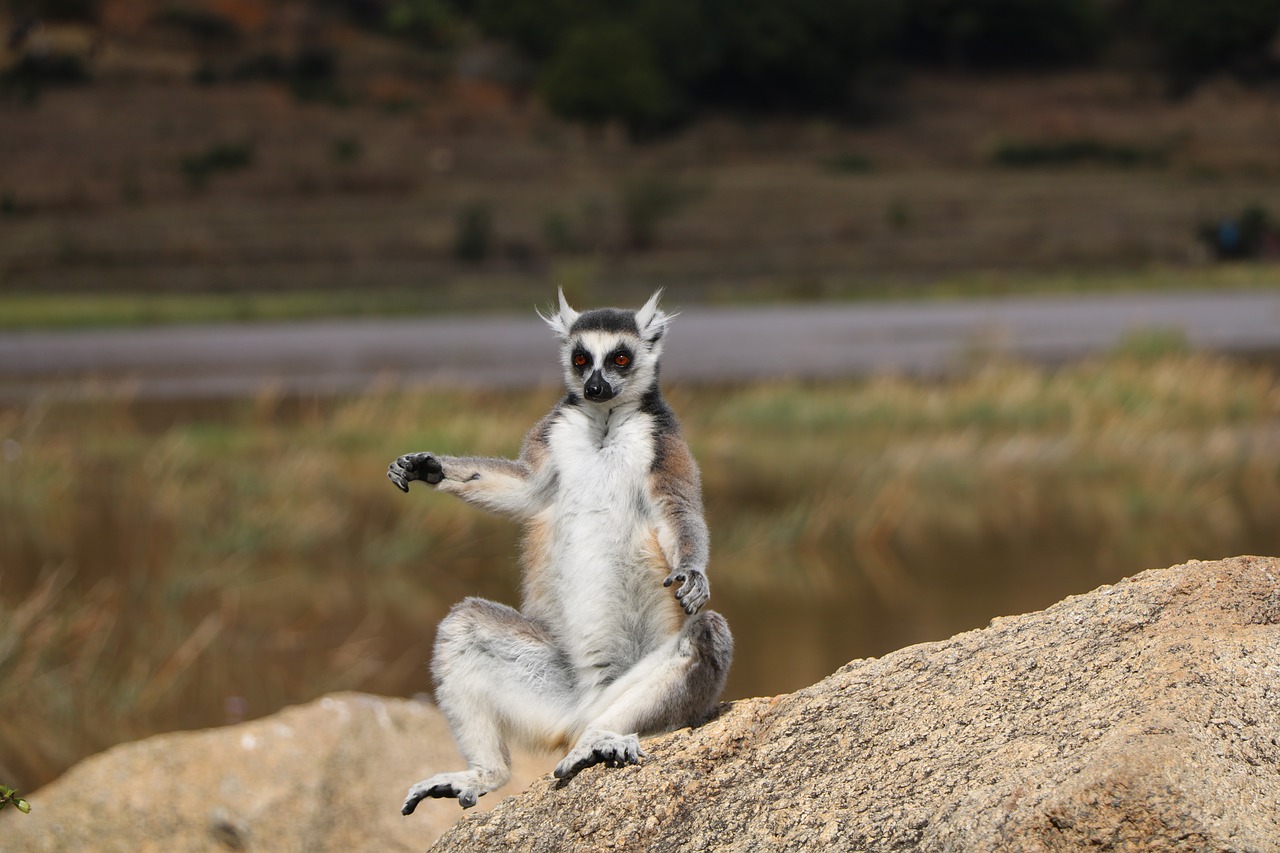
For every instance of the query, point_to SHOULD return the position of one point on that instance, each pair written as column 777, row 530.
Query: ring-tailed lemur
column 600, row 652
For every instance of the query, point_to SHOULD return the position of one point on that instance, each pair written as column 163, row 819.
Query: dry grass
column 169, row 568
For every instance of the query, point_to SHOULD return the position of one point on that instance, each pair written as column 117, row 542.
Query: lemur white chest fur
column 601, row 528
column 602, row 460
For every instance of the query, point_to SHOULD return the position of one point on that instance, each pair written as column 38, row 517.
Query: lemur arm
column 517, row 487
column 682, row 529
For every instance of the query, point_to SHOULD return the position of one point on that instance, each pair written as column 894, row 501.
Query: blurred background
column 184, row 560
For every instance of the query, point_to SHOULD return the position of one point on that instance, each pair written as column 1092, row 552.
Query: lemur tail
column 708, row 633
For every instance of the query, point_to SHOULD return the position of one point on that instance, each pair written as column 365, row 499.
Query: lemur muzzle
column 597, row 388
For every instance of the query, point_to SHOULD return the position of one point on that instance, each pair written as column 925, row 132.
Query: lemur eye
column 622, row 359
column 580, row 359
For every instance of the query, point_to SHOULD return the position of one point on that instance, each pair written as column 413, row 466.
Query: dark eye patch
column 581, row 359
column 620, row 358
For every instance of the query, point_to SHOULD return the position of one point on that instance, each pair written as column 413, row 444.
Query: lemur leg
column 498, row 677
column 675, row 685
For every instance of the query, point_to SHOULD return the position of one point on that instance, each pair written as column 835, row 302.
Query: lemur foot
column 464, row 785
column 612, row 750
column 415, row 466
column 694, row 590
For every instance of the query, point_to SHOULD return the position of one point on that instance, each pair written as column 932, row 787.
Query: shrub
column 473, row 237
column 202, row 25
column 608, row 72
column 647, row 201
column 1004, row 33
column 427, row 23
column 1072, row 152
column 1196, row 38
column 650, row 62
column 805, row 56
column 9, row 795
column 33, row 73
column 313, row 75
column 56, row 10
column 221, row 157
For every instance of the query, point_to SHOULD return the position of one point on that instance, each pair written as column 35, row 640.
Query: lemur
column 600, row 651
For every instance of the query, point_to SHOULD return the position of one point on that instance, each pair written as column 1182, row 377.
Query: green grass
column 158, row 561
column 19, row 311
column 484, row 292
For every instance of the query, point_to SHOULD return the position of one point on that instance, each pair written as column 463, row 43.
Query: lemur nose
column 597, row 388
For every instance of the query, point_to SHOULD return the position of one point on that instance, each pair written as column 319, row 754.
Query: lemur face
column 610, row 354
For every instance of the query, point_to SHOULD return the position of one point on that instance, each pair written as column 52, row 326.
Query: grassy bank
column 165, row 568
column 478, row 292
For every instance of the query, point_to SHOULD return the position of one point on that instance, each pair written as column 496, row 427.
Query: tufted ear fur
column 651, row 320
column 562, row 320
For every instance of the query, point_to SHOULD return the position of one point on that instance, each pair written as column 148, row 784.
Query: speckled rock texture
column 327, row 776
column 1140, row 716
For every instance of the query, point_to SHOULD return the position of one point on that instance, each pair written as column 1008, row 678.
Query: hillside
column 297, row 151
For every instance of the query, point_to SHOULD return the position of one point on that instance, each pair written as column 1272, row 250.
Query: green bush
column 473, row 236
column 649, row 63
column 33, row 73
column 427, row 23
column 1074, row 152
column 807, row 56
column 1196, row 38
column 10, row 796
column 608, row 72
column 221, row 157
column 1004, row 33
column 202, row 25
column 538, row 28
column 647, row 201
column 56, row 10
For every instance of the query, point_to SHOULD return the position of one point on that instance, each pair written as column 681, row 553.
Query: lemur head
column 609, row 354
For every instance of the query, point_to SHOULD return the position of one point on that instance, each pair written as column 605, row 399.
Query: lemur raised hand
column 611, row 641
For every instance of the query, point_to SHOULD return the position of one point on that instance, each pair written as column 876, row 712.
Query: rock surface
column 327, row 776
column 1140, row 716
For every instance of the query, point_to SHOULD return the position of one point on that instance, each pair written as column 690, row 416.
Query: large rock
column 1141, row 716
column 327, row 776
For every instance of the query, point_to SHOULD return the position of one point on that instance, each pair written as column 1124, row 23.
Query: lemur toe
column 610, row 750
column 412, row 803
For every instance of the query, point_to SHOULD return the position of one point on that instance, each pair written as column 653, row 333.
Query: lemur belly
column 603, row 569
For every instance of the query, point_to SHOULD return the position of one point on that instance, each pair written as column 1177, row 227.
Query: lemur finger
column 398, row 480
column 467, row 797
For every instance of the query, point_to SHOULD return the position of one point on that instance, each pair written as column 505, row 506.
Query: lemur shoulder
column 601, row 651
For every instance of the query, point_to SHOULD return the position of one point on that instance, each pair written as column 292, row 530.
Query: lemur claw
column 415, row 466
column 694, row 590
column 610, row 749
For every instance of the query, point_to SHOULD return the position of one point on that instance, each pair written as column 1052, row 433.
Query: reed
column 184, row 566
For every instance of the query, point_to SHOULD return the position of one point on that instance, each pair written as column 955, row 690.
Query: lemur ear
column 652, row 321
column 561, row 321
